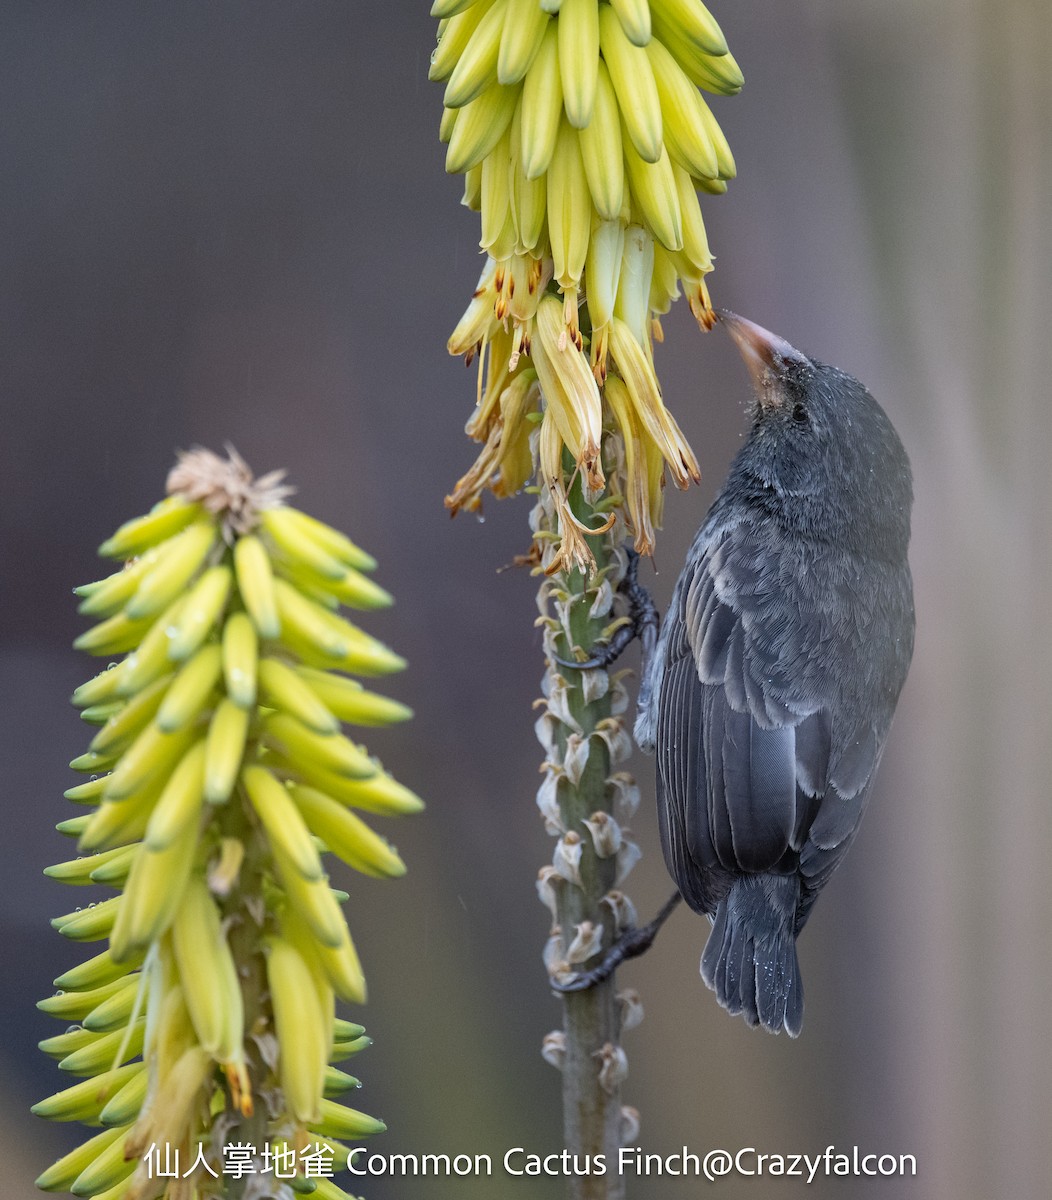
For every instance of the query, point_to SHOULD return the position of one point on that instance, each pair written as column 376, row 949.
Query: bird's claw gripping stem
column 630, row 945
column 643, row 621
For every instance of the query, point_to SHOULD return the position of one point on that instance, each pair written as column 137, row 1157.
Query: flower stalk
column 584, row 139
column 585, row 802
column 218, row 777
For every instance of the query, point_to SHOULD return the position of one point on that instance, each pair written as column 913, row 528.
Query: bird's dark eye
column 800, row 414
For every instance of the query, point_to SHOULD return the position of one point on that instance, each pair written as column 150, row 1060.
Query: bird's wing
column 758, row 770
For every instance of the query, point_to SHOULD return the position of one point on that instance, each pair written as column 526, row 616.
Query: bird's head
column 822, row 447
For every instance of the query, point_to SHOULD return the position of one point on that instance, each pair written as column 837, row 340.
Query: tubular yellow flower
column 223, row 777
column 573, row 552
column 585, row 140
column 506, row 462
column 642, row 386
column 636, row 477
column 570, row 389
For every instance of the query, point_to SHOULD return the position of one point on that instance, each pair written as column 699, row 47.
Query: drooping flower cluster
column 583, row 138
column 219, row 775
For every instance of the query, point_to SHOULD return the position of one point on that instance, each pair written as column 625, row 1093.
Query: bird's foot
column 642, row 622
column 630, row 945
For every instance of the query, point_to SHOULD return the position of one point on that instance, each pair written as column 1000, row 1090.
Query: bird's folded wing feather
column 754, row 770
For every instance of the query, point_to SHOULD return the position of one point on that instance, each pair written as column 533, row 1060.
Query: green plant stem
column 592, row 1019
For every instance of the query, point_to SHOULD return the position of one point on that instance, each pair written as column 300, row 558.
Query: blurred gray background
column 229, row 221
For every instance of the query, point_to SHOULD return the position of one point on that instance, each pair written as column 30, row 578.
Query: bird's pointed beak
column 764, row 352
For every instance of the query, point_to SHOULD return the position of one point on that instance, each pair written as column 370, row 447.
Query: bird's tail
column 750, row 958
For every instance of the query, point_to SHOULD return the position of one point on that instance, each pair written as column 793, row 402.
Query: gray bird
column 772, row 686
